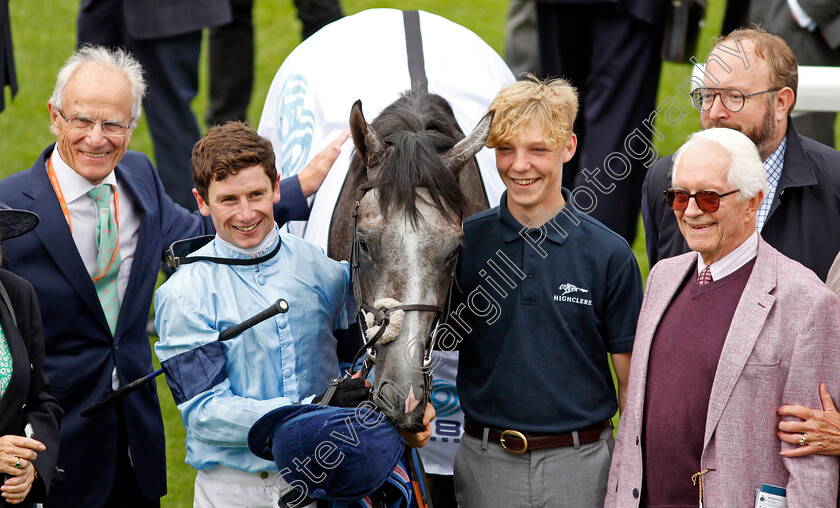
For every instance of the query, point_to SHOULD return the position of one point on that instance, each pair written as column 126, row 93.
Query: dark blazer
column 804, row 220
column 155, row 19
column 27, row 398
column 81, row 352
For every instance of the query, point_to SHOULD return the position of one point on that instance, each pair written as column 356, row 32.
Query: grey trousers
column 488, row 476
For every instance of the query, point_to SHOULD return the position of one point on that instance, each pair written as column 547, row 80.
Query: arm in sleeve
column 292, row 204
column 651, row 233
column 42, row 410
column 623, row 302
column 196, row 371
column 812, row 480
column 658, row 220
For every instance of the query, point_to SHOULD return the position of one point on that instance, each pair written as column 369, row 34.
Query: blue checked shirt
column 288, row 358
column 773, row 168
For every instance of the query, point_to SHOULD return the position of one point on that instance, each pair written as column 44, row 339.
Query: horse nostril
column 411, row 401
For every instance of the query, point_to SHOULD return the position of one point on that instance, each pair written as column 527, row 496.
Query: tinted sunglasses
column 708, row 201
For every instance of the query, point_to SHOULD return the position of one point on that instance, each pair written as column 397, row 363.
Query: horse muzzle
column 403, row 409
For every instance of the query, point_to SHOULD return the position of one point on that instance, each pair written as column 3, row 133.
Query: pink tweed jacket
column 783, row 341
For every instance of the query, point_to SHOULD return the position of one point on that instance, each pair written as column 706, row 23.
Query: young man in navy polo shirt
column 548, row 294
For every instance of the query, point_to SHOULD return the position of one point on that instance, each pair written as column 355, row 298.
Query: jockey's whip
column 278, row 307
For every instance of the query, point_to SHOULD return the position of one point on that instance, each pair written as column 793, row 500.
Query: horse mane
column 418, row 127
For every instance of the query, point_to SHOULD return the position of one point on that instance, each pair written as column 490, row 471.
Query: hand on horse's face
column 419, row 439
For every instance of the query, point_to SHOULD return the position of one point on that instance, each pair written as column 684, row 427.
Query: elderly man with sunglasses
column 754, row 330
column 750, row 85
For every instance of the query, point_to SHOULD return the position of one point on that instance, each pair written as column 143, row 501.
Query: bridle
column 382, row 316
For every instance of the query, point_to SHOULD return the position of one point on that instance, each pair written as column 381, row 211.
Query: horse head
column 407, row 237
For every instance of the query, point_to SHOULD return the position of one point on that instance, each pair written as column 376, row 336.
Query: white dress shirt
column 726, row 265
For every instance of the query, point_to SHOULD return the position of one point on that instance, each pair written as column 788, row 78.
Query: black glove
column 350, row 392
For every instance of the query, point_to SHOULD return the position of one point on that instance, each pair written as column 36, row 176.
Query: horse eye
column 364, row 246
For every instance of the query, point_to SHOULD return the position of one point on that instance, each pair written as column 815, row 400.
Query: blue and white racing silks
column 222, row 388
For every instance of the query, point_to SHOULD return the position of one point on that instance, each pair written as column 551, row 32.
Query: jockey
column 222, row 389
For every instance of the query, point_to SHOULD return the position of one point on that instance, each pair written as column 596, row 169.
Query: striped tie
column 108, row 255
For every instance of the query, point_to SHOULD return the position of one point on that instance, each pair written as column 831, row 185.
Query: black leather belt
column 516, row 442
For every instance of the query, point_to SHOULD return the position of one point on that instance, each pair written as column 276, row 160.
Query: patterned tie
column 705, row 277
column 108, row 255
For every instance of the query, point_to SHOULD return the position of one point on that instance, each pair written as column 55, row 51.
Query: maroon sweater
column 683, row 360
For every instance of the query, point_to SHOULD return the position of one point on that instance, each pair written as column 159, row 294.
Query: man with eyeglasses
column 165, row 36
column 812, row 30
column 750, row 85
column 726, row 335
column 94, row 261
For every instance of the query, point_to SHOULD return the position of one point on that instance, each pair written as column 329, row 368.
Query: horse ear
column 458, row 156
column 368, row 143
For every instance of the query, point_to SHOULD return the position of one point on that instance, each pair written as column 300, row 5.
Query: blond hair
column 552, row 102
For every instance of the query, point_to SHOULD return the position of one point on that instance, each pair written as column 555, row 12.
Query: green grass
column 44, row 36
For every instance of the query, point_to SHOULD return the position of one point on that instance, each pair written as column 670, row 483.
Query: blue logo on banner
column 295, row 124
column 445, row 398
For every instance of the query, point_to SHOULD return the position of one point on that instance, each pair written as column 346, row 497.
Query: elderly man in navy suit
column 93, row 261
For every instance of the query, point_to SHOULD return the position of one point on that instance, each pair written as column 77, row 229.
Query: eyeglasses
column 109, row 128
column 732, row 99
column 708, row 201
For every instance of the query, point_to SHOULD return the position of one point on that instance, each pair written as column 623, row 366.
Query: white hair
column 118, row 59
column 745, row 172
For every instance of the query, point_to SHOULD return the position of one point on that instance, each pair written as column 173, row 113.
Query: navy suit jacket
column 81, row 352
column 804, row 220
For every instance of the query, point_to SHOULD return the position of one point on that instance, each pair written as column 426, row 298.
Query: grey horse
column 415, row 179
